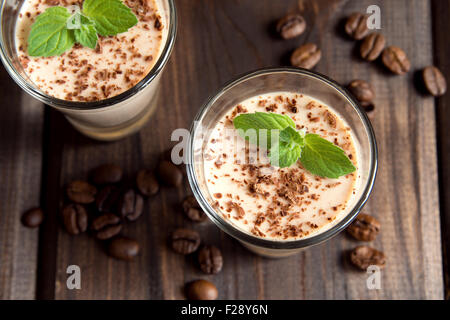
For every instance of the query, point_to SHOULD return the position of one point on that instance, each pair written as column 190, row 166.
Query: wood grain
column 20, row 175
column 217, row 40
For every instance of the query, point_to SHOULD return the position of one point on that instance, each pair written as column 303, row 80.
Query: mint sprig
column 316, row 154
column 55, row 30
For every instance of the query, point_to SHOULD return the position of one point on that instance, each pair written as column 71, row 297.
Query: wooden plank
column 20, row 175
column 216, row 41
column 441, row 10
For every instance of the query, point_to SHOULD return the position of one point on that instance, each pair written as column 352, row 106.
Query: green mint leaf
column 111, row 17
column 284, row 155
column 290, row 135
column 49, row 35
column 322, row 158
column 86, row 35
column 250, row 124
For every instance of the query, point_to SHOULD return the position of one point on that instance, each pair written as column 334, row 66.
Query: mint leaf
column 284, row 155
column 49, row 35
column 322, row 158
column 111, row 17
column 289, row 135
column 86, row 35
column 261, row 121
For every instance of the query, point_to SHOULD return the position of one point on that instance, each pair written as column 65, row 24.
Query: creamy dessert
column 83, row 74
column 271, row 202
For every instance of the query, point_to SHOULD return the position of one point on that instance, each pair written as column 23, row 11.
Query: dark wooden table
column 217, row 40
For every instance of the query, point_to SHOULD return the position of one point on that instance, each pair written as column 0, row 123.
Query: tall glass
column 108, row 119
column 271, row 80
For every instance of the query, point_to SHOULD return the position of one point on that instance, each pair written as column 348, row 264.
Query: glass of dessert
column 103, row 76
column 296, row 187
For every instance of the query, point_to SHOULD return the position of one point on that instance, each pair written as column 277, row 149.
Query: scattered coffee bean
column 291, row 26
column 210, row 259
column 193, row 210
column 364, row 228
column 185, row 241
column 81, row 192
column 123, row 248
column 396, row 60
column 146, row 183
column 33, row 218
column 368, row 106
column 362, row 90
column 363, row 256
column 372, row 46
column 75, row 218
column 356, row 26
column 106, row 173
column 170, row 174
column 107, row 198
column 106, row 226
column 131, row 205
column 306, row 56
column 201, row 290
column 434, row 81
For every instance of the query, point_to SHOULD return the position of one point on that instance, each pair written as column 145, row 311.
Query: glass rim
column 240, row 235
column 105, row 103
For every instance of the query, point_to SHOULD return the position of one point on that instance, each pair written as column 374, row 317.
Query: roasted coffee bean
column 33, row 218
column 201, row 290
column 368, row 106
column 363, row 256
column 147, row 183
column 185, row 241
column 107, row 198
column 106, row 226
column 291, row 26
column 364, row 228
column 106, row 173
column 123, row 248
column 169, row 174
column 81, row 192
column 131, row 205
column 396, row 60
column 362, row 90
column 306, row 56
column 356, row 26
column 193, row 210
column 434, row 81
column 210, row 259
column 75, row 218
column 372, row 46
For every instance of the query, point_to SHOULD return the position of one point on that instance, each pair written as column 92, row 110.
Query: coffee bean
column 123, row 248
column 306, row 56
column 75, row 218
column 107, row 198
column 106, row 226
column 362, row 90
column 81, row 192
column 372, row 46
column 106, row 173
column 33, row 218
column 185, row 241
column 146, row 183
column 291, row 26
column 368, row 106
column 193, row 210
column 363, row 256
column 356, row 26
column 169, row 174
column 201, row 290
column 210, row 259
column 434, row 81
column 364, row 228
column 131, row 205
column 396, row 60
